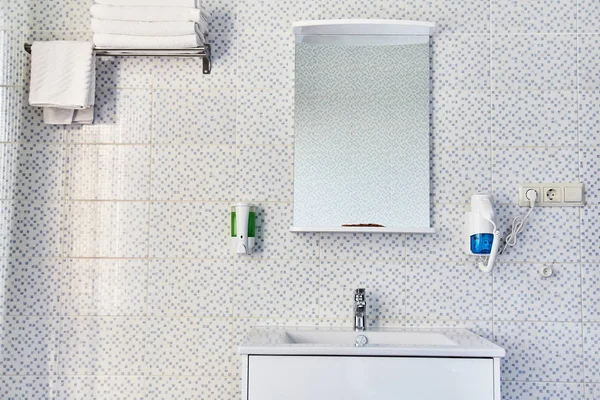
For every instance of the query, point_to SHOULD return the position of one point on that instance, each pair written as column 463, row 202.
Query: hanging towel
column 103, row 40
column 148, row 28
column 152, row 3
column 189, row 14
column 63, row 77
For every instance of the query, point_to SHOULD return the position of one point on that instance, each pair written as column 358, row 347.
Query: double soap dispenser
column 243, row 227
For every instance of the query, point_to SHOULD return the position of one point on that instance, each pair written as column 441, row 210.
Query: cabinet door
column 369, row 378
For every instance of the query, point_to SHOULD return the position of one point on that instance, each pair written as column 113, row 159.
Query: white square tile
column 541, row 390
column 588, row 16
column 276, row 289
column 120, row 116
column 104, row 287
column 9, row 166
column 29, row 345
column 592, row 391
column 589, row 117
column 591, row 352
column 265, row 173
column 39, row 172
column 188, row 346
column 521, row 294
column 352, row 9
column 590, row 234
column 540, row 351
column 511, row 166
column 11, row 104
column 193, row 173
column 26, row 387
column 590, row 173
column 460, row 118
column 446, row 244
column 460, row 62
column 33, row 129
column 266, row 61
column 481, row 328
column 362, row 246
column 224, row 15
column 35, row 229
column 266, row 16
column 443, row 291
column 200, row 288
column 544, row 228
column 103, row 346
column 6, row 218
column 190, row 387
column 32, row 286
column 452, row 16
column 190, row 230
column 62, row 15
column 204, row 117
column 589, row 61
column 384, row 283
column 125, row 72
column 538, row 62
column 265, row 117
column 590, row 280
column 99, row 387
column 457, row 173
column 107, row 172
column 11, row 58
column 273, row 236
column 534, row 118
column 537, row 16
column 106, row 229
column 14, row 14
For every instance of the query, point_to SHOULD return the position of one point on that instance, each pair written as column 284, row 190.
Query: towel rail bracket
column 202, row 51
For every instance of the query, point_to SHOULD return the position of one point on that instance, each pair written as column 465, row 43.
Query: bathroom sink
column 375, row 342
column 374, row 338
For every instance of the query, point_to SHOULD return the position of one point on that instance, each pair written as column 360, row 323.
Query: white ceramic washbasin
column 380, row 342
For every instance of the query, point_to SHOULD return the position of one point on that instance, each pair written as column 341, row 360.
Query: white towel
column 153, row 3
column 189, row 14
column 147, row 28
column 63, row 76
column 103, row 40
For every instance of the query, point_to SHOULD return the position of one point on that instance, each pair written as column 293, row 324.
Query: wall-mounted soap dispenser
column 243, row 227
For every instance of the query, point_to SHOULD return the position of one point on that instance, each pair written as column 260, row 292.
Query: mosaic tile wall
column 117, row 278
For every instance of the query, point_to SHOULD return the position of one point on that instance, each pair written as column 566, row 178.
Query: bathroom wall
column 117, row 278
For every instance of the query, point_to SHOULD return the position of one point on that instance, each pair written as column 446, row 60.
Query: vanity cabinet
column 277, row 377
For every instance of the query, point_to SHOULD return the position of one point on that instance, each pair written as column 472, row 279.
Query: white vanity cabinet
column 370, row 378
column 326, row 364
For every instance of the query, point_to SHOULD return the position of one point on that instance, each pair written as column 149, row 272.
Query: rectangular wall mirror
column 362, row 126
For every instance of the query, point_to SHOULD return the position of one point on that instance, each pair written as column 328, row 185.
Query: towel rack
column 202, row 51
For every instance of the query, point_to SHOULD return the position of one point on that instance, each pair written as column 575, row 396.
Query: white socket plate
column 563, row 195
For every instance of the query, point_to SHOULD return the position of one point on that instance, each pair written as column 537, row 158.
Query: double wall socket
column 552, row 194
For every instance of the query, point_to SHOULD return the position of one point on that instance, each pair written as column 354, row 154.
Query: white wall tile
column 590, row 281
column 11, row 104
column 26, row 387
column 588, row 61
column 265, row 173
column 538, row 62
column 541, row 390
column 452, row 16
column 190, row 387
column 590, row 238
column 538, row 351
column 11, row 58
column 106, row 229
column 29, row 345
column 447, row 291
column 9, row 166
column 190, row 230
column 362, row 246
column 522, row 294
column 62, row 15
column 32, row 286
column 203, row 117
column 592, row 391
column 537, row 16
column 99, row 387
column 193, row 173
column 590, row 174
column 125, row 72
column 104, row 287
column 102, row 346
column 384, row 283
column 591, row 352
column 200, row 288
column 527, row 118
column 39, row 172
column 481, row 328
column 589, row 117
column 107, row 172
column 460, row 62
column 265, row 117
column 36, row 229
column 266, row 61
column 276, row 289
column 588, row 16
column 511, row 166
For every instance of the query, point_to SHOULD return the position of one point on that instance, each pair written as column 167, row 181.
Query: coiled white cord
column 518, row 224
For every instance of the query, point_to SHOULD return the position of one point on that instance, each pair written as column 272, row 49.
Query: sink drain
column 361, row 340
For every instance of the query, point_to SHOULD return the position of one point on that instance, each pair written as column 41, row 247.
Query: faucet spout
column 360, row 310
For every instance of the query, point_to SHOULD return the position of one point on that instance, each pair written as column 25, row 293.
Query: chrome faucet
column 360, row 310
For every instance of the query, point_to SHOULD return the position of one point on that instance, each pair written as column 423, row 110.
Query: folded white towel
column 147, row 28
column 146, row 42
column 189, row 14
column 153, row 3
column 63, row 116
column 63, row 76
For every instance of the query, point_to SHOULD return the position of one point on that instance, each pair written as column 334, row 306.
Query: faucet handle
column 359, row 295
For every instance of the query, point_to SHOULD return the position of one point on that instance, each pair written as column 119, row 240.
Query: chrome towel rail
column 202, row 51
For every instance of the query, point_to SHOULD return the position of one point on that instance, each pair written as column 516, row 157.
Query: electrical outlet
column 552, row 194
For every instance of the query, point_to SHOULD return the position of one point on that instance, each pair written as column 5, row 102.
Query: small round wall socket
column 546, row 271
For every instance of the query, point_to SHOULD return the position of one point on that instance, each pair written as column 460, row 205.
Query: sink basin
column 376, row 342
column 374, row 338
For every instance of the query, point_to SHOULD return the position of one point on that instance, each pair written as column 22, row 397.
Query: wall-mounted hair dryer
column 243, row 227
column 482, row 237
